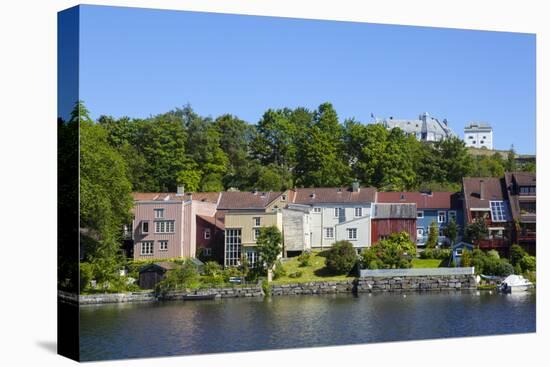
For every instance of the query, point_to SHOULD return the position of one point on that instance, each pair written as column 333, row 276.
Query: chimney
column 181, row 190
column 355, row 186
column 482, row 190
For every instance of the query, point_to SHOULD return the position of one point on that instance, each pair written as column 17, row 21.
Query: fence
column 415, row 272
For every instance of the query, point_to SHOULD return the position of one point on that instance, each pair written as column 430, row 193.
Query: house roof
column 394, row 211
column 521, row 178
column 162, row 265
column 246, row 199
column 493, row 189
column 210, row 197
column 434, row 200
column 333, row 195
column 215, row 221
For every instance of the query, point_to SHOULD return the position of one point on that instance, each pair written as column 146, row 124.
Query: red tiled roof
column 333, row 195
column 493, row 190
column 246, row 199
column 435, row 200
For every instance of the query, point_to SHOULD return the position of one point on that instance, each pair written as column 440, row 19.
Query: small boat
column 515, row 283
column 197, row 297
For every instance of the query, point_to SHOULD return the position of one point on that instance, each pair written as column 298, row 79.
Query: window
column 441, row 232
column 256, row 221
column 470, row 137
column 329, row 232
column 482, row 141
column 474, row 142
column 336, row 212
column 498, row 211
column 420, row 214
column 147, row 248
column 159, row 213
column 358, row 212
column 163, row 245
column 144, row 227
column 283, row 198
column 420, row 232
column 352, row 233
column 164, row 226
column 207, row 233
column 528, row 190
column 484, row 138
column 252, row 257
column 255, row 233
column 232, row 246
column 441, row 217
column 317, row 210
column 207, row 251
column 452, row 215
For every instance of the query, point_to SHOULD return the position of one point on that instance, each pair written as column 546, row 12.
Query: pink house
column 164, row 224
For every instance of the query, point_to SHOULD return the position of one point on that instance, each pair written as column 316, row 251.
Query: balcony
column 493, row 243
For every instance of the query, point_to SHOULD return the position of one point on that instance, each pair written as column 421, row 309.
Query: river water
column 242, row 324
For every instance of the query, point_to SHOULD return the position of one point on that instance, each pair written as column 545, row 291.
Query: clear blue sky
column 139, row 62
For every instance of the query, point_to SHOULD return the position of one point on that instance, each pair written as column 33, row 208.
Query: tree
column 190, row 176
column 320, row 153
column 341, row 257
column 452, row 231
column 397, row 251
column 433, row 235
column 454, row 159
column 516, row 253
column 396, row 169
column 511, row 165
column 466, row 258
column 269, row 247
column 183, row 277
column 475, row 231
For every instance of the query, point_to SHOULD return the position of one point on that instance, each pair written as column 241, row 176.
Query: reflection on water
column 179, row 328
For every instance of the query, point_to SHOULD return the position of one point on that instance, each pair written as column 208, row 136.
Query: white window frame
column 207, row 251
column 143, row 225
column 420, row 214
column 423, row 232
column 161, row 247
column 336, row 212
column 257, row 221
column 164, row 226
column 327, row 230
column 317, row 209
column 358, row 210
column 207, row 233
column 351, row 234
column 233, row 246
column 159, row 213
column 252, row 257
column 439, row 216
column 146, row 248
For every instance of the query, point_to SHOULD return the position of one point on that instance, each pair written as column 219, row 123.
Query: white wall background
column 28, row 166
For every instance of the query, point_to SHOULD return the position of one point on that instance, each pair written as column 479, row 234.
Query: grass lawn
column 426, row 263
column 315, row 272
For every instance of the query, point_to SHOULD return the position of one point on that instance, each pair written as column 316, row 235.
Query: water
column 242, row 324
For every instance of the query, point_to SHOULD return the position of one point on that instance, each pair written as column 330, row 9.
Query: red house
column 210, row 238
column 391, row 218
column 521, row 188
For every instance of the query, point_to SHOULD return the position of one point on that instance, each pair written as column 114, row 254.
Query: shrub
column 231, row 272
column 528, row 263
column 427, row 254
column 86, row 275
column 212, row 268
column 304, row 259
column 516, row 254
column 466, row 258
column 279, row 271
column 433, row 234
column 341, row 257
column 266, row 287
column 493, row 254
column 368, row 256
column 186, row 276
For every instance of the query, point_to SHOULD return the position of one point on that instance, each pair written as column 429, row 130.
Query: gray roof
column 394, row 211
column 478, row 125
column 424, row 124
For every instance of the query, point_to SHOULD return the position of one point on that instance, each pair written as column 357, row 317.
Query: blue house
column 438, row 207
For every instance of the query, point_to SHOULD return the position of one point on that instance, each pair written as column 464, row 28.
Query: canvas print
column 233, row 183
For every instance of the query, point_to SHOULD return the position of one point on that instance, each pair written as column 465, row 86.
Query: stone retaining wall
column 344, row 286
column 416, row 283
column 227, row 292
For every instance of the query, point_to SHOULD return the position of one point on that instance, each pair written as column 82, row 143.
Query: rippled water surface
column 241, row 324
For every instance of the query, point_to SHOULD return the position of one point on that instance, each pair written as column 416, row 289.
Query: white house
column 337, row 214
column 478, row 135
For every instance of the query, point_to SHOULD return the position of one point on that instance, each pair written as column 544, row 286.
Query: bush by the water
column 397, row 251
column 489, row 264
column 279, row 270
column 341, row 257
column 304, row 259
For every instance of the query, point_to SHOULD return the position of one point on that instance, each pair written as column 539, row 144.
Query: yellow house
column 245, row 213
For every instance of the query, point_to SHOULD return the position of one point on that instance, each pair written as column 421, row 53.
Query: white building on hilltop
column 478, row 135
column 426, row 128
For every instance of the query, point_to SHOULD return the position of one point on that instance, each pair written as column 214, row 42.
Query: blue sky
column 140, row 62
